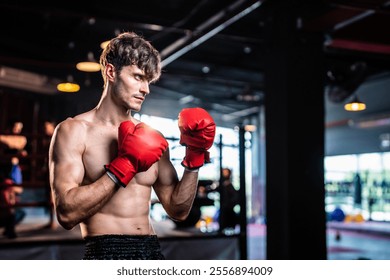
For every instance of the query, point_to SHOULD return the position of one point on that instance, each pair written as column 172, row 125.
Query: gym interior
column 312, row 178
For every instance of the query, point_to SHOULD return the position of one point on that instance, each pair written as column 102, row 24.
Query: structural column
column 294, row 117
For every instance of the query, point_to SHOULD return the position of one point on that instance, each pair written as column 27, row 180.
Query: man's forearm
column 82, row 202
column 183, row 196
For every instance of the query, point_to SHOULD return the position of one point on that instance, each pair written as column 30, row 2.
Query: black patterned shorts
column 122, row 247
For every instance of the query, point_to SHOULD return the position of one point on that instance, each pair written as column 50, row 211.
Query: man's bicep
column 66, row 174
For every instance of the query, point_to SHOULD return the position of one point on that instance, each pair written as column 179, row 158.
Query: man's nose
column 145, row 87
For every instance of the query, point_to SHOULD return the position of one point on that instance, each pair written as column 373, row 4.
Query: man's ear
column 110, row 72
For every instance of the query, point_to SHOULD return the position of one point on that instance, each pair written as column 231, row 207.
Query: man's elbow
column 65, row 221
column 179, row 216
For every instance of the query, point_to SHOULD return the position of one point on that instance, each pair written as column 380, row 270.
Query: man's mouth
column 140, row 98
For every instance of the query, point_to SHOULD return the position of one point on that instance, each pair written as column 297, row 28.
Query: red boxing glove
column 139, row 146
column 197, row 129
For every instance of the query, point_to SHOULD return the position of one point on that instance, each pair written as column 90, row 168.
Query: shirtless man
column 104, row 162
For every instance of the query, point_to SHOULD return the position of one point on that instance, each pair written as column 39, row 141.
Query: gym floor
column 345, row 241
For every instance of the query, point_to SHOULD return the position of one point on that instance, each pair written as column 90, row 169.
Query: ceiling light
column 355, row 105
column 91, row 21
column 205, row 69
column 385, row 141
column 104, row 44
column 250, row 127
column 247, row 49
column 91, row 65
column 68, row 86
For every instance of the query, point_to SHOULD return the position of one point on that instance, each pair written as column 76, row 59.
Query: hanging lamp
column 90, row 65
column 69, row 85
column 355, row 105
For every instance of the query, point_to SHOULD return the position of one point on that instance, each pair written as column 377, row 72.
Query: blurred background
column 313, row 177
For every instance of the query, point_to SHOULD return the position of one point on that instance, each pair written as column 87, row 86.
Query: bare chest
column 100, row 149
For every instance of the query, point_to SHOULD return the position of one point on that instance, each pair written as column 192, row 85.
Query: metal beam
column 355, row 45
column 240, row 114
column 354, row 19
column 206, row 30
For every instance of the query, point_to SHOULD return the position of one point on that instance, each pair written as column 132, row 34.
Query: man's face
column 131, row 86
column 226, row 173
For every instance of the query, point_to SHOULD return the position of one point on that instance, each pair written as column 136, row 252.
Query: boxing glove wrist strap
column 113, row 177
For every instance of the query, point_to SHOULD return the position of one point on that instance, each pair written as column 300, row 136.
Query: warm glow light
column 88, row 66
column 104, row 44
column 250, row 127
column 68, row 87
column 355, row 106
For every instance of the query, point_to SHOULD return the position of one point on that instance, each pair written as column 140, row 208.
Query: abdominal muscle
column 102, row 224
column 127, row 212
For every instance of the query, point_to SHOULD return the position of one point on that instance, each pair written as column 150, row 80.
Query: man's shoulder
column 71, row 123
column 72, row 127
column 77, row 122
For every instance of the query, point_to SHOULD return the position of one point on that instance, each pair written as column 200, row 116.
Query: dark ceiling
column 212, row 54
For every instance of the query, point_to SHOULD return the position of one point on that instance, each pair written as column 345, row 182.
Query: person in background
column 11, row 177
column 13, row 147
column 9, row 215
column 229, row 198
column 104, row 163
column 13, row 142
